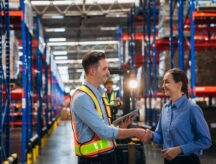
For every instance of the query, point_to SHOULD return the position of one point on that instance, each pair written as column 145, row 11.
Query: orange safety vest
column 96, row 145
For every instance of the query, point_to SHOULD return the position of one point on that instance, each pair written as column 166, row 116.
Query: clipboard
column 131, row 114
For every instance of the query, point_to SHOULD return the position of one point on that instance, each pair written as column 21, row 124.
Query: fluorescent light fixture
column 57, row 17
column 108, row 28
column 61, row 57
column 79, row 70
column 112, row 59
column 59, row 52
column 62, row 2
column 52, row 16
column 40, row 3
column 57, row 39
column 62, row 67
column 55, row 30
column 79, row 2
column 82, row 43
column 64, row 78
column 68, row 61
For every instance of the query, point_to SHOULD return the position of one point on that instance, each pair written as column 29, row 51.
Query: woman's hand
column 171, row 153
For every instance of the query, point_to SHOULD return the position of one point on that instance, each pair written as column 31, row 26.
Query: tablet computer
column 131, row 114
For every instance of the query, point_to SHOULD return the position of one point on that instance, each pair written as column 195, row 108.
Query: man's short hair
column 92, row 59
column 109, row 81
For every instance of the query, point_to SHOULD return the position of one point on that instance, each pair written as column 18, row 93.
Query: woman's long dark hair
column 179, row 75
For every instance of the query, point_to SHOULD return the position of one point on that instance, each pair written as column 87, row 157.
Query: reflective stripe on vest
column 96, row 145
column 112, row 98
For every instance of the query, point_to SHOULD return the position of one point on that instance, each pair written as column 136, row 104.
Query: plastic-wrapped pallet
column 164, row 20
column 14, row 56
column 206, row 5
column 14, row 4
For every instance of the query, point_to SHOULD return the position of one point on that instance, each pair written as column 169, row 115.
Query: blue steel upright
column 8, row 102
column 192, row 49
column 1, row 84
column 24, row 84
column 171, row 35
column 29, row 86
column 39, row 81
column 145, row 59
column 46, row 91
column 181, row 34
column 149, row 62
column 154, row 46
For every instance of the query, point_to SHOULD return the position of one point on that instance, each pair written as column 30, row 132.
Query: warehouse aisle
column 59, row 148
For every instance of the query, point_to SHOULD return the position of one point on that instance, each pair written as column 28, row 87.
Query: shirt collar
column 179, row 102
column 97, row 91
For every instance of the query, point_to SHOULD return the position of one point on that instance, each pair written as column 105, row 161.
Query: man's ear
column 92, row 71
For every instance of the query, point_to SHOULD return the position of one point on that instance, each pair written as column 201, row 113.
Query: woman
column 182, row 128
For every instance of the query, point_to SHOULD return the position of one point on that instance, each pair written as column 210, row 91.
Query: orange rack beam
column 205, row 91
column 14, row 13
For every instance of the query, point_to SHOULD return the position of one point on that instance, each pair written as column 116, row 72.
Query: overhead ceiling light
column 59, row 52
column 57, row 17
column 61, row 57
column 62, row 67
column 113, row 59
column 82, row 43
column 55, row 30
column 79, row 70
column 57, row 39
column 64, row 78
column 40, row 3
column 52, row 16
column 79, row 61
column 79, row 2
column 108, row 28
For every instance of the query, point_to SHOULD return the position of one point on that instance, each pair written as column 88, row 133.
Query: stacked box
column 205, row 68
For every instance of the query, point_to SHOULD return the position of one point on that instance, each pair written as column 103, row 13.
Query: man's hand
column 147, row 137
column 126, row 122
column 171, row 153
column 140, row 133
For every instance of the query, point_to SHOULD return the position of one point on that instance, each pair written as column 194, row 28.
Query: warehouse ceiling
column 74, row 27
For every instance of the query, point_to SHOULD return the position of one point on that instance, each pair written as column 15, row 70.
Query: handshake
column 144, row 135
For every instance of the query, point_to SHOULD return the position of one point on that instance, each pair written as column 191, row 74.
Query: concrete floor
column 59, row 149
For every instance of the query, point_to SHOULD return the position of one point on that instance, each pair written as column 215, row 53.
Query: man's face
column 109, row 87
column 102, row 71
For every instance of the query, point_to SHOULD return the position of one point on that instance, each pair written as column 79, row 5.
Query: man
column 93, row 134
column 113, row 97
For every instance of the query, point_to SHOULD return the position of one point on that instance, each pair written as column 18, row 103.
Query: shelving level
column 26, row 99
column 175, row 34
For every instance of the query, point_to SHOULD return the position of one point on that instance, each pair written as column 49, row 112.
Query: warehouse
column 78, row 74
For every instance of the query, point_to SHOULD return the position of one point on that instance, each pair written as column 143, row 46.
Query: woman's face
column 171, row 87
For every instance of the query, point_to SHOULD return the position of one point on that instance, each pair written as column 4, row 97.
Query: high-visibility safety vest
column 112, row 100
column 94, row 146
